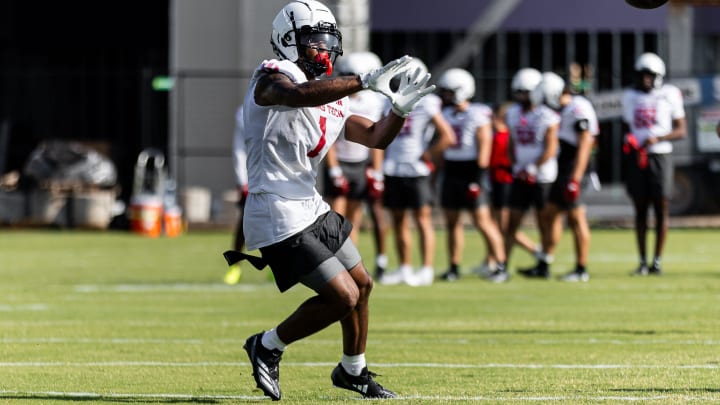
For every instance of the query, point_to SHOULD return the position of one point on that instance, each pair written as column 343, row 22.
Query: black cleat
column 535, row 272
column 363, row 384
column 379, row 271
column 655, row 270
column 266, row 366
column 450, row 275
column 642, row 271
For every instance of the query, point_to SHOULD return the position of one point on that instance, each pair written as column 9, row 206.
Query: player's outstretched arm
column 277, row 89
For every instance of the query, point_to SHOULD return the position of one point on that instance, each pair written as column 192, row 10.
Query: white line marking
column 96, row 395
column 23, row 307
column 386, row 365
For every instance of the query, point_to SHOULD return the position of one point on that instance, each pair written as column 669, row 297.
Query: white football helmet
column 458, row 81
column 357, row 63
column 307, row 24
column 548, row 91
column 650, row 62
column 526, row 79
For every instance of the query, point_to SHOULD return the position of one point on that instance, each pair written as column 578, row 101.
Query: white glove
column 410, row 90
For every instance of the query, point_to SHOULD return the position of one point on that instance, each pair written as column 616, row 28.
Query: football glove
column 410, row 90
column 473, row 191
column 375, row 184
column 572, row 191
column 340, row 183
column 528, row 174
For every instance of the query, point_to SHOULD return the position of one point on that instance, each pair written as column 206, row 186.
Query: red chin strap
column 324, row 59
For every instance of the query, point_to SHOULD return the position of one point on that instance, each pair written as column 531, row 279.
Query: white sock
column 271, row 340
column 381, row 261
column 354, row 364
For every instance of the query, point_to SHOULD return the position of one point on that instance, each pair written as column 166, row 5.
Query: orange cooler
column 146, row 215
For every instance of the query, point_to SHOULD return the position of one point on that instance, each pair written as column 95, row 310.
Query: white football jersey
column 651, row 114
column 465, row 125
column 370, row 105
column 284, row 148
column 578, row 109
column 403, row 155
column 239, row 154
column 527, row 131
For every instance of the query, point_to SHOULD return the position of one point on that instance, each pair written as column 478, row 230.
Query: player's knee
column 348, row 300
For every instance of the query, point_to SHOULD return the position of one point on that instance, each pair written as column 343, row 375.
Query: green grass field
column 113, row 317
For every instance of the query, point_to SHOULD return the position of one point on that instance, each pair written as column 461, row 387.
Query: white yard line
column 190, row 397
column 378, row 365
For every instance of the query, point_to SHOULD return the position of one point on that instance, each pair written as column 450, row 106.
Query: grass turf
column 114, row 317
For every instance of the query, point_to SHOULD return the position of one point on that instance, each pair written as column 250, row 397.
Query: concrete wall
column 214, row 47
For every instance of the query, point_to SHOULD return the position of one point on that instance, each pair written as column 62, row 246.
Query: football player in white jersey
column 353, row 171
column 291, row 115
column 408, row 168
column 533, row 151
column 464, row 186
column 655, row 116
column 578, row 129
column 239, row 164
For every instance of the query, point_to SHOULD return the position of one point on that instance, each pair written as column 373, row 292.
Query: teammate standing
column 465, row 165
column 578, row 128
column 655, row 115
column 408, row 187
column 291, row 116
column 239, row 164
column 533, row 150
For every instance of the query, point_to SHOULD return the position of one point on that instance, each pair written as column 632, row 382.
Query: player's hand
column 340, row 183
column 375, row 184
column 572, row 191
column 379, row 79
column 412, row 88
column 529, row 174
column 243, row 193
column 473, row 191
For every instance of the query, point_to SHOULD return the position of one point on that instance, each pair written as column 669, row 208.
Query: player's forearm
column 317, row 92
column 385, row 131
column 582, row 159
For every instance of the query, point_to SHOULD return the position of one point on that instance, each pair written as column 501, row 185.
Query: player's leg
column 661, row 172
column 233, row 274
column 379, row 230
column 491, row 233
column 423, row 220
column 577, row 221
column 354, row 213
column 395, row 200
column 455, row 243
column 422, row 199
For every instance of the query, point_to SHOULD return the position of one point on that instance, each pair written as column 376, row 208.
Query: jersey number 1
column 321, row 143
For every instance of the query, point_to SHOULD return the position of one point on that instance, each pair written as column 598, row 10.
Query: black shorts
column 407, row 192
column 523, row 195
column 655, row 181
column 500, row 194
column 299, row 255
column 557, row 193
column 355, row 174
column 458, row 175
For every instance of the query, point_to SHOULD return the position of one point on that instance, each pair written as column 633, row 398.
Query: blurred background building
column 169, row 74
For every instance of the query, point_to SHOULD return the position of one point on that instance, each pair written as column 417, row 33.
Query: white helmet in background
column 357, row 63
column 306, row 24
column 460, row 82
column 548, row 91
column 526, row 79
column 651, row 63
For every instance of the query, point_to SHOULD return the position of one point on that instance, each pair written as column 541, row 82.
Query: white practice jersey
column 465, row 125
column 527, row 131
column 239, row 154
column 651, row 114
column 403, row 155
column 578, row 109
column 284, row 148
column 370, row 105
